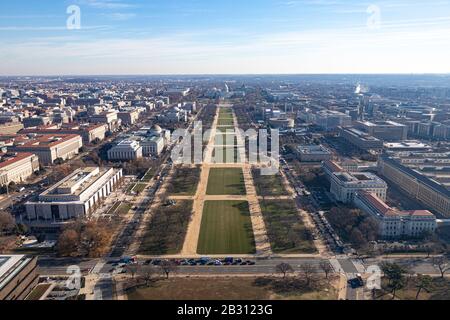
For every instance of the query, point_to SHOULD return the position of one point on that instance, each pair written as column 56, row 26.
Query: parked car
column 156, row 262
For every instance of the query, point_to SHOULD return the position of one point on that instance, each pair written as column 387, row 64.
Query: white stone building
column 344, row 185
column 125, row 150
column 395, row 223
column 77, row 195
column 17, row 167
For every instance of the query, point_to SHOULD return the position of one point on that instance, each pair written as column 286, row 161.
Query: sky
column 115, row 37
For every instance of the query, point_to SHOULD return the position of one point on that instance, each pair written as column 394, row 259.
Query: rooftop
column 7, row 159
column 42, row 140
column 313, row 149
column 385, row 210
column 10, row 265
column 360, row 134
column 387, row 123
column 76, row 183
column 358, row 178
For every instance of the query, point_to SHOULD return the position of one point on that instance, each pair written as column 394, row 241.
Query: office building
column 344, row 185
column 361, row 139
column 313, row 153
column 394, row 223
column 125, row 150
column 77, row 195
column 109, row 118
column 331, row 120
column 128, row 118
column 18, row 276
column 415, row 184
column 48, row 147
column 17, row 167
column 384, row 130
column 152, row 146
column 88, row 132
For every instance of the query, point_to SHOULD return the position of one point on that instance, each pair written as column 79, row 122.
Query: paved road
column 53, row 266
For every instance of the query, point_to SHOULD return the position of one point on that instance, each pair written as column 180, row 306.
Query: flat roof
column 313, row 149
column 6, row 159
column 360, row 134
column 387, row 123
column 10, row 265
column 83, row 177
column 43, row 140
column 417, row 175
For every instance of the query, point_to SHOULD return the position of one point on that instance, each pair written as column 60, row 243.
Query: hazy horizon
column 125, row 37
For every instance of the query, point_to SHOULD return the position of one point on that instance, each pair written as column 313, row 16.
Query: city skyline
column 256, row 37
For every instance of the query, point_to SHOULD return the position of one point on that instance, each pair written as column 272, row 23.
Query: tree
column 424, row 282
column 146, row 273
column 397, row 284
column 7, row 223
column 326, row 267
column 58, row 161
column 307, row 270
column 12, row 187
column 394, row 273
column 93, row 239
column 167, row 267
column 132, row 269
column 284, row 268
column 442, row 264
column 68, row 243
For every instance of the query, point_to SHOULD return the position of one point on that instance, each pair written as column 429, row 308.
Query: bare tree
column 284, row 268
column 307, row 270
column 68, row 243
column 133, row 269
column 326, row 267
column 442, row 264
column 167, row 267
column 7, row 223
column 146, row 273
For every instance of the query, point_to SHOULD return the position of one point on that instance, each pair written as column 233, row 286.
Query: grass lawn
column 226, row 228
column 184, row 181
column 38, row 291
column 131, row 187
column 123, row 208
column 226, row 181
column 226, row 155
column 225, row 122
column 271, row 185
column 285, row 228
column 139, row 187
column 225, row 112
column 114, row 207
column 149, row 175
column 238, row 288
column 225, row 128
column 225, row 139
column 167, row 229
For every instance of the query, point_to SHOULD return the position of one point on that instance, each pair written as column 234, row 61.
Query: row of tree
column 306, row 270
column 399, row 277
